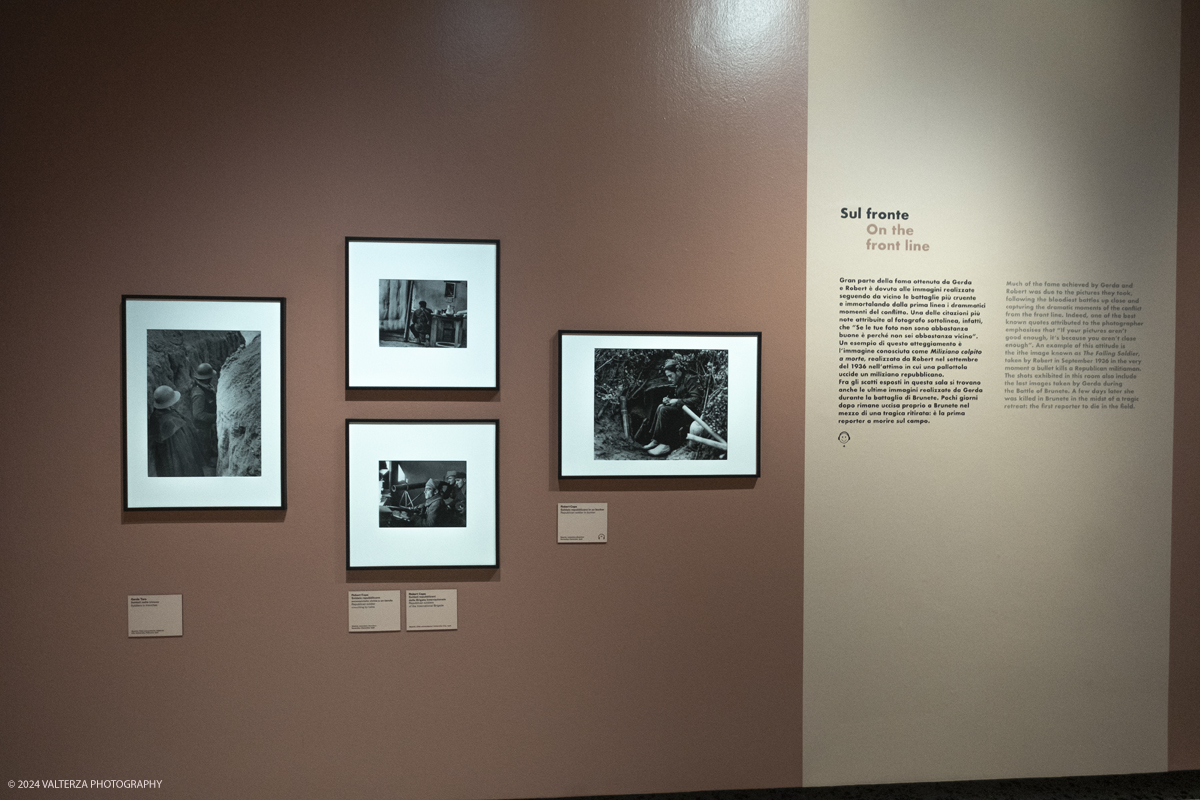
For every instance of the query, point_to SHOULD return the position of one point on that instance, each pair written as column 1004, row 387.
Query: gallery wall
column 1001, row 604
column 1183, row 709
column 643, row 165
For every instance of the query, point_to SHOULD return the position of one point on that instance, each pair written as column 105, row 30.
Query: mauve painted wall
column 639, row 161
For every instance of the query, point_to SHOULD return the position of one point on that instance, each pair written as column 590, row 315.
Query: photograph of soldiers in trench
column 205, row 403
column 422, row 494
column 653, row 404
column 422, row 313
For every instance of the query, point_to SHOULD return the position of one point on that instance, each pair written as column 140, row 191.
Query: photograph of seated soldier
column 653, row 403
column 422, row 494
column 422, row 313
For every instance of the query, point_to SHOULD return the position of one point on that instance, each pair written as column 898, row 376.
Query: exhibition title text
column 907, row 245
column 873, row 214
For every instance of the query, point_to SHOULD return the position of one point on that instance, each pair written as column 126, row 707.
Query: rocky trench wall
column 239, row 413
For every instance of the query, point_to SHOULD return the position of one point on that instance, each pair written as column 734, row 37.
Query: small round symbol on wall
column 12, row 784
column 843, row 437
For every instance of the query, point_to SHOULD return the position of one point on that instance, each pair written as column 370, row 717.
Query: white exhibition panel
column 372, row 546
column 265, row 490
column 578, row 388
column 986, row 593
column 375, row 366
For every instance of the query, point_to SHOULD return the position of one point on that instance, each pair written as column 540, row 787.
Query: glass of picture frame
column 202, row 395
column 422, row 493
column 422, row 313
column 636, row 404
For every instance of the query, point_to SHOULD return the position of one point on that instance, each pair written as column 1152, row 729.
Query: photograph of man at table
column 422, row 313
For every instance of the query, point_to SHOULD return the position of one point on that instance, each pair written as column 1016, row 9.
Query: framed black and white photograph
column 203, row 402
column 421, row 493
column 647, row 404
column 422, row 313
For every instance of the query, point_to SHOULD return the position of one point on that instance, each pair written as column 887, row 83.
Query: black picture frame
column 394, row 521
column 621, row 416
column 225, row 446
column 422, row 313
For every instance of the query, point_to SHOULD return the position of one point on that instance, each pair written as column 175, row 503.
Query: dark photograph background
column 404, row 322
column 214, row 428
column 406, row 502
column 632, row 422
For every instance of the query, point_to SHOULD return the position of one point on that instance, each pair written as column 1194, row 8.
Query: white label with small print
column 432, row 609
column 155, row 615
column 582, row 523
column 375, row 611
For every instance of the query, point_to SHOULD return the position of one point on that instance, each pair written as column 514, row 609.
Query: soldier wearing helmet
column 436, row 512
column 175, row 447
column 204, row 410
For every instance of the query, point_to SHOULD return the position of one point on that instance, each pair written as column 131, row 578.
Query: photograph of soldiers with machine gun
column 655, row 404
column 422, row 494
